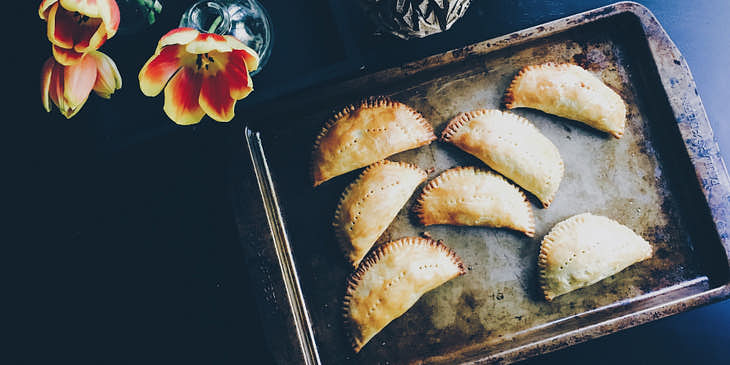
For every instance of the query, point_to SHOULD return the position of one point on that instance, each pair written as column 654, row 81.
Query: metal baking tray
column 665, row 179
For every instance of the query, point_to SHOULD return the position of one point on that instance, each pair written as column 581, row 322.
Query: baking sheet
column 645, row 180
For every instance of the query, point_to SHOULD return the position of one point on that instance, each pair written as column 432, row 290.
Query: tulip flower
column 68, row 87
column 76, row 27
column 201, row 73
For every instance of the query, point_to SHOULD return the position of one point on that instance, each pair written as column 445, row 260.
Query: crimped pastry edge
column 374, row 257
column 460, row 170
column 461, row 119
column 339, row 234
column 546, row 247
column 509, row 97
column 464, row 118
column 369, row 102
column 548, row 240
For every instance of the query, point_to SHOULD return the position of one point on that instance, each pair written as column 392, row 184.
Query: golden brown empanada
column 585, row 249
column 390, row 280
column 362, row 134
column 467, row 196
column 571, row 92
column 512, row 146
column 371, row 202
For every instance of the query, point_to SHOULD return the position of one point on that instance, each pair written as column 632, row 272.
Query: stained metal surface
column 664, row 179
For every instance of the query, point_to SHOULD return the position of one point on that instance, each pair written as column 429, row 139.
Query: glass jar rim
column 214, row 8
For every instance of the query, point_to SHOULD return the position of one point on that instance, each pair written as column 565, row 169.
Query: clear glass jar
column 246, row 20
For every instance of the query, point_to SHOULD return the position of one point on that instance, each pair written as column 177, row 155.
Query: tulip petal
column 46, row 73
column 237, row 75
column 109, row 12
column 70, row 112
column 104, row 13
column 55, row 91
column 177, row 36
column 251, row 57
column 108, row 78
column 79, row 81
column 208, row 42
column 89, row 36
column 89, row 8
column 181, row 98
column 44, row 8
column 60, row 27
column 66, row 57
column 158, row 70
column 99, row 38
column 215, row 98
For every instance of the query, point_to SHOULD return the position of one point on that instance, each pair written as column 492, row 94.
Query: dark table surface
column 123, row 245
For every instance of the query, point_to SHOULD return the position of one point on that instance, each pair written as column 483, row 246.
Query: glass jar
column 245, row 20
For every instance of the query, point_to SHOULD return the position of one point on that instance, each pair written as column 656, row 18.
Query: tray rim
column 687, row 109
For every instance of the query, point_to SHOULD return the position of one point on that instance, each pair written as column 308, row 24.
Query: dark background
column 122, row 245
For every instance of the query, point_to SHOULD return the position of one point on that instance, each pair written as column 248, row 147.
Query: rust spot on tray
column 463, row 52
column 592, row 59
column 581, row 60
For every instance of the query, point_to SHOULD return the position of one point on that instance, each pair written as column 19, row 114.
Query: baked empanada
column 362, row 134
column 467, row 196
column 512, row 146
column 571, row 92
column 371, row 202
column 390, row 280
column 585, row 249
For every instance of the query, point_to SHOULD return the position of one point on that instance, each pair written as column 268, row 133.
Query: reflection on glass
column 246, row 20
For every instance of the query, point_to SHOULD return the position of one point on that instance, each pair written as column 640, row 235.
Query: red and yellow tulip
column 201, row 73
column 68, row 87
column 76, row 27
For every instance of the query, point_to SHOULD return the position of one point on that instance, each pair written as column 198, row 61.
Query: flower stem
column 151, row 5
column 215, row 24
column 151, row 8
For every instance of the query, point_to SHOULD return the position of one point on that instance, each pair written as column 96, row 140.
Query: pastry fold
column 365, row 133
column 571, row 92
column 390, row 280
column 371, row 202
column 512, row 146
column 585, row 249
column 468, row 196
